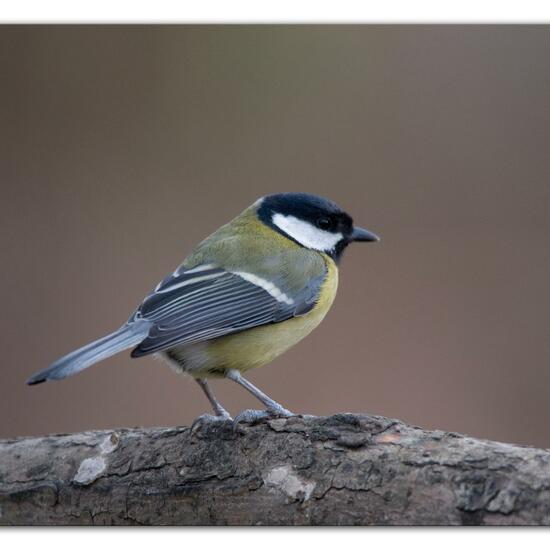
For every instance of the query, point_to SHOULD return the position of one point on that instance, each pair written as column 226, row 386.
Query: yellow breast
column 258, row 346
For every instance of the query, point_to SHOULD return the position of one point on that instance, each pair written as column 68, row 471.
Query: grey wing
column 207, row 302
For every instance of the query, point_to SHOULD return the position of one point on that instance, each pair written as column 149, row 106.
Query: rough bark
column 345, row 469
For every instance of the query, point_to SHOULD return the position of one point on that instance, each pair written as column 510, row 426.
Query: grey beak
column 362, row 235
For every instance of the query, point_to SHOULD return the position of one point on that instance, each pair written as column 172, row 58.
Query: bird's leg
column 221, row 413
column 273, row 408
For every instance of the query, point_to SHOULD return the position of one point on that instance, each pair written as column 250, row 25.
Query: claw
column 251, row 416
column 205, row 419
column 280, row 412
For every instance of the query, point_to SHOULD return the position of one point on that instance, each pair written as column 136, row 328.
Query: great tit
column 246, row 294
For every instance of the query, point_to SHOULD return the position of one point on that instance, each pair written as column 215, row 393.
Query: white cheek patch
column 306, row 234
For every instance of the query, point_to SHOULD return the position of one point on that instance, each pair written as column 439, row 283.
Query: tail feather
column 80, row 359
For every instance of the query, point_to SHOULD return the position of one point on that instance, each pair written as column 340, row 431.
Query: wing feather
column 207, row 302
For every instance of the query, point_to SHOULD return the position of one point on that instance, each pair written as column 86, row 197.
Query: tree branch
column 341, row 470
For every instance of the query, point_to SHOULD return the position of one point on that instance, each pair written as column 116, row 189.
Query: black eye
column 324, row 223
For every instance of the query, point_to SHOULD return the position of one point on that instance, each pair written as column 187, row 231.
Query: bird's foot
column 252, row 416
column 209, row 419
column 279, row 412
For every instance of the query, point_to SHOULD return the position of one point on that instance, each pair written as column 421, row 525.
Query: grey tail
column 125, row 337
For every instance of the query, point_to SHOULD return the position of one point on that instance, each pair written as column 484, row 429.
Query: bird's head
column 312, row 221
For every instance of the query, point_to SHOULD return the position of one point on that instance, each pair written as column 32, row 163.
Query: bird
column 247, row 293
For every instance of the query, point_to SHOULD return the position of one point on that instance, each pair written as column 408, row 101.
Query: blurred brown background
column 122, row 147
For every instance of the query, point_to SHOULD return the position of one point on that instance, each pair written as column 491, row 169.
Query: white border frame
column 274, row 11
